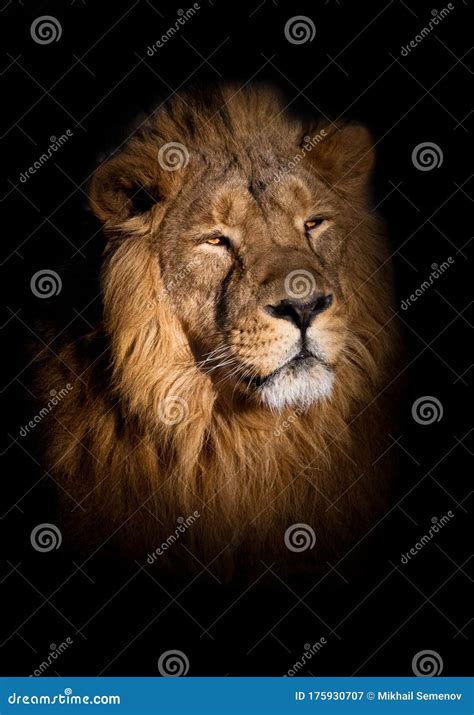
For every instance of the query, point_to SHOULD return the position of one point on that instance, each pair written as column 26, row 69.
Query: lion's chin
column 296, row 387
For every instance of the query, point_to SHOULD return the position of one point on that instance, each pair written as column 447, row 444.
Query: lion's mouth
column 303, row 361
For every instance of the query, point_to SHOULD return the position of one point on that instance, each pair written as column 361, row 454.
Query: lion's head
column 249, row 338
column 249, row 224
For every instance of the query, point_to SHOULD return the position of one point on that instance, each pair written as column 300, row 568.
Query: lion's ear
column 123, row 187
column 344, row 155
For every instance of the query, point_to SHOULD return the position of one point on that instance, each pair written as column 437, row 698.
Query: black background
column 375, row 613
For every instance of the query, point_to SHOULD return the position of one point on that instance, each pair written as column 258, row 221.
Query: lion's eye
column 313, row 223
column 218, row 241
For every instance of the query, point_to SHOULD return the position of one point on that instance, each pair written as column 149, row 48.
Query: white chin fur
column 301, row 389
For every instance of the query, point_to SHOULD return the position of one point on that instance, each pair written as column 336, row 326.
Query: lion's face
column 253, row 279
column 251, row 259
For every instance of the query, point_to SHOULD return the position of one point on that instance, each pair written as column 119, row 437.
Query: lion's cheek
column 328, row 337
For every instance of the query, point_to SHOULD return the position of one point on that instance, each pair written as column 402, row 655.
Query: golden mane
column 144, row 441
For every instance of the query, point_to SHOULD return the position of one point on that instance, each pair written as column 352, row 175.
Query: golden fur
column 162, row 422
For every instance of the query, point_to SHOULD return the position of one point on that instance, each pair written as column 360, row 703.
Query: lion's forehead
column 236, row 197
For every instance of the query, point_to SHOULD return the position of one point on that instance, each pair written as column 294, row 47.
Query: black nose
column 300, row 312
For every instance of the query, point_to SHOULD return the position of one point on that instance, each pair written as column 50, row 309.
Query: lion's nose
column 301, row 312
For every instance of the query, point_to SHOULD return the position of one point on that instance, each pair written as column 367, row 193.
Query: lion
column 235, row 402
